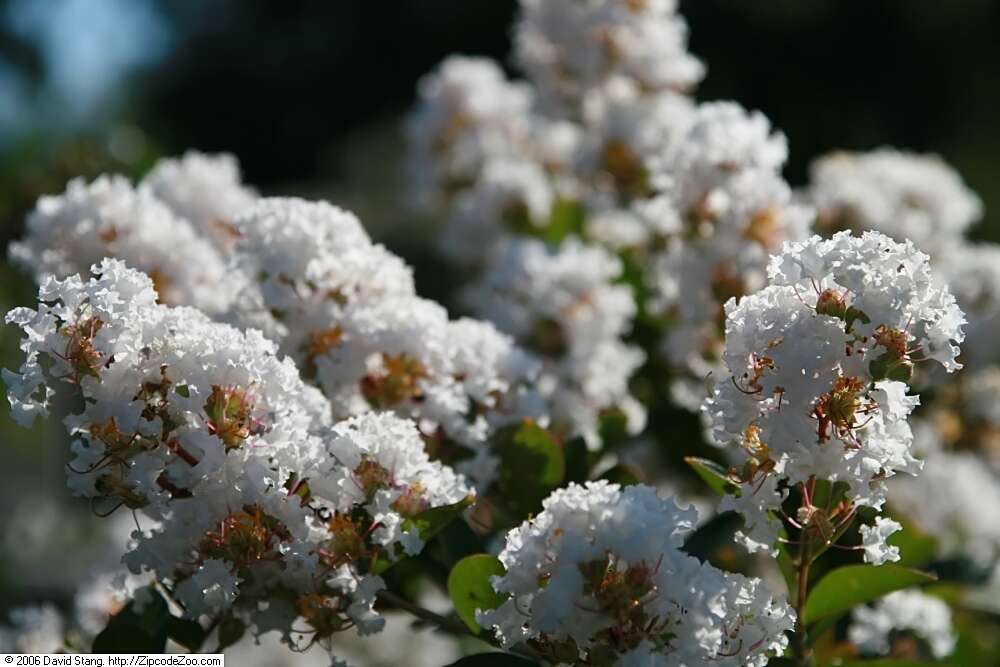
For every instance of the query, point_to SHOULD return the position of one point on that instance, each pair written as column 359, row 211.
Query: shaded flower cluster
column 598, row 577
column 251, row 494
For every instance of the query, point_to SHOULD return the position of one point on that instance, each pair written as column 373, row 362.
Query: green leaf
column 622, row 475
column 915, row 548
column 493, row 660
column 566, row 220
column 135, row 630
column 716, row 476
column 819, row 629
column 532, row 465
column 432, row 521
column 613, row 427
column 853, row 314
column 185, row 632
column 892, row 367
column 470, row 588
column 849, row 586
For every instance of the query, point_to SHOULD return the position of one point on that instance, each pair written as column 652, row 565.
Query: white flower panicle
column 564, row 305
column 344, row 308
column 309, row 261
column 574, row 157
column 818, row 365
column 108, row 217
column 599, row 577
column 910, row 612
column 903, row 195
column 208, row 433
column 570, row 48
column 721, row 141
column 469, row 113
column 507, row 197
column 890, row 283
column 957, row 500
column 733, row 210
column 206, row 190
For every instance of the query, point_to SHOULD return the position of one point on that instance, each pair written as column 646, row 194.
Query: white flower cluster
column 604, row 153
column 902, row 195
column 471, row 113
column 818, row 365
column 570, row 48
column 205, row 189
column 176, row 226
column 956, row 499
column 909, row 611
column 345, row 309
column 723, row 184
column 599, row 577
column 68, row 233
column 252, row 495
column 922, row 199
column 562, row 303
column 919, row 197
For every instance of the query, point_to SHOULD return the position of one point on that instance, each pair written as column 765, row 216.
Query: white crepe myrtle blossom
column 599, row 577
column 818, row 364
column 908, row 612
column 722, row 183
column 875, row 541
column 203, row 429
column 564, row 305
column 569, row 48
column 67, row 233
column 972, row 272
column 722, row 140
column 468, row 113
column 903, row 195
column 344, row 308
column 306, row 262
column 509, row 196
column 957, row 500
column 167, row 393
column 625, row 131
column 207, row 190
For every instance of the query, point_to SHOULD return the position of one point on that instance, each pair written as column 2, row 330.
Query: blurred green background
column 310, row 96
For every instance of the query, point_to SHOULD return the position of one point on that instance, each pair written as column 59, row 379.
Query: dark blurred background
column 310, row 96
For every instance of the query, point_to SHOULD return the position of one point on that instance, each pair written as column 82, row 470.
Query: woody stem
column 800, row 646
